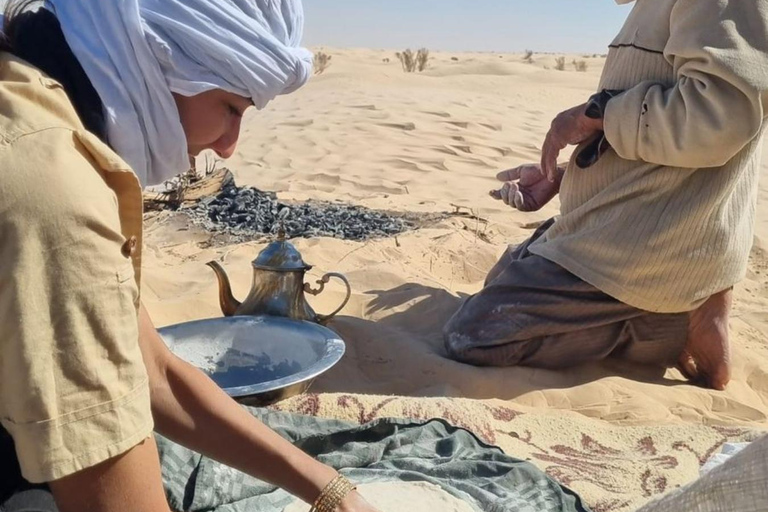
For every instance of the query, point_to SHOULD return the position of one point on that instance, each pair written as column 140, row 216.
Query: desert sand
column 367, row 133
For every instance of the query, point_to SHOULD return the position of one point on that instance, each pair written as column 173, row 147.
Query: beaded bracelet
column 333, row 494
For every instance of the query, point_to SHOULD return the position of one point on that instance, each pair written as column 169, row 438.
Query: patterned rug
column 614, row 468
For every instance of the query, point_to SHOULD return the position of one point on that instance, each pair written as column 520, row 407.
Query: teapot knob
column 281, row 216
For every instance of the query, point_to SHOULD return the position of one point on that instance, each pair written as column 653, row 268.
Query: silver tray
column 256, row 360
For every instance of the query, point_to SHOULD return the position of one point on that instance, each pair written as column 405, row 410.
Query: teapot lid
column 280, row 256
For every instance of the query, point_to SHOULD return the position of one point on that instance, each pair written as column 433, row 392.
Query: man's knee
column 461, row 335
column 455, row 340
column 469, row 341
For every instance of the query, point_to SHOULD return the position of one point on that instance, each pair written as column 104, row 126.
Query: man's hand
column 526, row 188
column 568, row 128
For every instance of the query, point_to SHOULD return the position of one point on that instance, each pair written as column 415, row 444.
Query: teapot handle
column 322, row 319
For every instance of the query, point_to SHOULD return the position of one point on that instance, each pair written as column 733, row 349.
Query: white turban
column 137, row 52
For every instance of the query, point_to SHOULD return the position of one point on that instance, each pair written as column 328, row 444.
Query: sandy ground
column 367, row 133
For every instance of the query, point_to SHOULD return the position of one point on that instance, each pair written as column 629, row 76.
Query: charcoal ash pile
column 248, row 213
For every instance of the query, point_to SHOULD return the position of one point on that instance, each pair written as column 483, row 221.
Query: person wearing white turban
column 138, row 54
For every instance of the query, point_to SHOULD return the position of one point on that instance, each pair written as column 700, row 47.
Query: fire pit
column 246, row 212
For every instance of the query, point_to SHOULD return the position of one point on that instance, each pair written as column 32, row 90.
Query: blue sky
column 577, row 26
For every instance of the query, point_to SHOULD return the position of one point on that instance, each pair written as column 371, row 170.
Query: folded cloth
column 737, row 485
column 726, row 452
column 383, row 450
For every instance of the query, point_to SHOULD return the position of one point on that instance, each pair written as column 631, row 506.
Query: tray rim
column 334, row 351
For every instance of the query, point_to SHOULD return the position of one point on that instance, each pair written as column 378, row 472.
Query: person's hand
column 354, row 502
column 568, row 128
column 526, row 188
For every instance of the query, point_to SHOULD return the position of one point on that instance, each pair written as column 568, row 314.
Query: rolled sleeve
column 719, row 50
column 73, row 386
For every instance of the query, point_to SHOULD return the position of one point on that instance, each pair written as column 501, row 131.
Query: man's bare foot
column 707, row 354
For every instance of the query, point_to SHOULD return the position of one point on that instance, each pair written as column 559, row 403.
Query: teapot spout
column 229, row 304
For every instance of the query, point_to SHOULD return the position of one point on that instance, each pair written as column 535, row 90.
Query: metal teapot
column 278, row 286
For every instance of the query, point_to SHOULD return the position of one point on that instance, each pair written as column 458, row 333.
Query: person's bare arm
column 128, row 483
column 189, row 408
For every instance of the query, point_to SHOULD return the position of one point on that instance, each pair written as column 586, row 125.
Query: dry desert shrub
column 408, row 60
column 560, row 63
column 455, row 59
column 422, row 59
column 322, row 61
column 413, row 61
column 528, row 56
column 581, row 66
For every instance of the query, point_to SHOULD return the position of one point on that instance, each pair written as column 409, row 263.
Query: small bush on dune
column 321, row 61
column 528, row 56
column 385, row 60
column 413, row 61
column 422, row 59
column 581, row 66
column 455, row 59
column 560, row 63
column 408, row 60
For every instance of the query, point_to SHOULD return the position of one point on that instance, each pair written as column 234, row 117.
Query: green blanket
column 383, row 450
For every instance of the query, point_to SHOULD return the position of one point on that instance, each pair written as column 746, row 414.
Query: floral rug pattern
column 614, row 468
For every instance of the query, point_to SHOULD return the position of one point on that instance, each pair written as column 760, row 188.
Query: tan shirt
column 73, row 386
column 665, row 219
